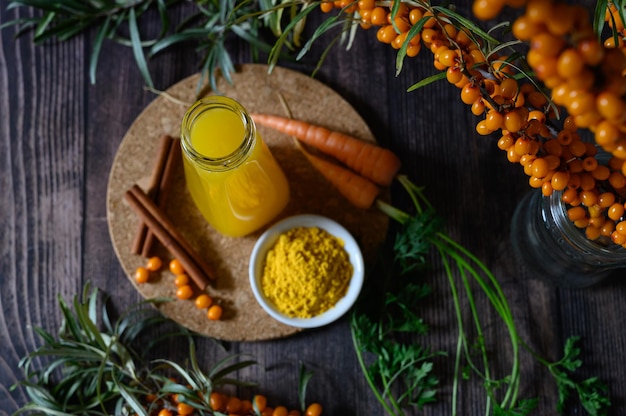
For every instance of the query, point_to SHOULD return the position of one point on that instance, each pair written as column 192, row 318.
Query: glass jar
column 552, row 248
column 231, row 174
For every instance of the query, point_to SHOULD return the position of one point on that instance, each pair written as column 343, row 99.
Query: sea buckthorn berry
column 522, row 146
column 590, row 163
column 184, row 292
column 294, row 412
column 588, row 198
column 538, row 11
column 184, row 409
column 483, row 129
column 620, row 227
column 215, row 312
column 142, row 275
column 540, row 168
column 486, row 10
column 514, row 121
column 176, row 267
column 259, row 402
column 562, row 21
column 512, row 156
column 267, row 411
column 280, row 411
column 535, row 182
column 233, row 405
column 547, row 44
column 366, row 4
column 246, row 407
column 611, row 106
column 478, row 108
column 203, row 301
column 617, row 180
column 401, row 24
column 181, row 280
column 218, row 401
column 386, row 34
column 546, row 189
column 592, row 232
column 576, row 213
column 553, row 161
column 448, row 57
column 314, row 409
column 164, row 412
column 615, row 211
column 154, row 263
column 569, row 195
column 327, row 6
column 454, row 74
column 559, row 180
column 415, row 15
column 607, row 228
column 470, row 93
column 601, row 173
column 606, row 199
column 506, row 141
column 493, row 120
column 527, row 160
column 509, row 88
column 598, row 220
column 618, row 238
column 577, row 148
column 413, row 49
column 378, row 16
column 574, row 180
column 523, row 28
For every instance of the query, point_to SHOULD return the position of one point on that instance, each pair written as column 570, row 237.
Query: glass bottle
column 552, row 248
column 231, row 174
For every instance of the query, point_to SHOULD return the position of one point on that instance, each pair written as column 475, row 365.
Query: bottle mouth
column 230, row 160
column 557, row 209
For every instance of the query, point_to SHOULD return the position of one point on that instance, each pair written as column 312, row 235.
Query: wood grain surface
column 59, row 136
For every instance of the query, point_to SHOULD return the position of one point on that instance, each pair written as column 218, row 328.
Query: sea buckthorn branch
column 563, row 66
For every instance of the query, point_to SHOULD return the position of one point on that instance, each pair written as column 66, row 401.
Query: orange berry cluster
column 184, row 288
column 586, row 77
column 172, row 405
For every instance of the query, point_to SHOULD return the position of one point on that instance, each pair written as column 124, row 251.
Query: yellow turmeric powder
column 306, row 272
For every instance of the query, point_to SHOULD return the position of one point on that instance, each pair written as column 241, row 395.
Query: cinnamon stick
column 164, row 230
column 164, row 185
column 165, row 146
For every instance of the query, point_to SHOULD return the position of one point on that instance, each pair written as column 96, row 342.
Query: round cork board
column 258, row 91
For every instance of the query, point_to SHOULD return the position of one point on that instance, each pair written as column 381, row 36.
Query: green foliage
column 400, row 374
column 591, row 391
column 92, row 366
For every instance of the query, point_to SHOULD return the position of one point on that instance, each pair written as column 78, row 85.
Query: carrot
column 358, row 190
column 378, row 164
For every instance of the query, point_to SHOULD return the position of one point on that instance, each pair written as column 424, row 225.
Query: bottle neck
column 554, row 214
column 241, row 150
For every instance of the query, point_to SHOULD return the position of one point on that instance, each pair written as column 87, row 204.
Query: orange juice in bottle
column 231, row 174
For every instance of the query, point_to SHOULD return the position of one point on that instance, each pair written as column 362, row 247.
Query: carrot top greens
column 400, row 372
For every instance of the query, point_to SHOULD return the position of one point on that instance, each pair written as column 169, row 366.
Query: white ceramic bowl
column 267, row 240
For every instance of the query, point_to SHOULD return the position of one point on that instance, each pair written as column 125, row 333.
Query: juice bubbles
column 231, row 175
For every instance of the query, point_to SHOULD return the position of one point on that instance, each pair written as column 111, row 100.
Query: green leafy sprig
column 94, row 371
column 400, row 374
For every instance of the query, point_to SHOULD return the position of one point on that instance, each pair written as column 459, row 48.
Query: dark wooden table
column 59, row 135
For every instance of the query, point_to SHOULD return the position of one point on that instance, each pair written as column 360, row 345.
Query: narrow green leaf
column 598, row 16
column 415, row 29
column 466, row 23
column 137, row 48
column 427, row 81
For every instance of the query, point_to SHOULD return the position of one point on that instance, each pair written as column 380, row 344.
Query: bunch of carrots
column 360, row 168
